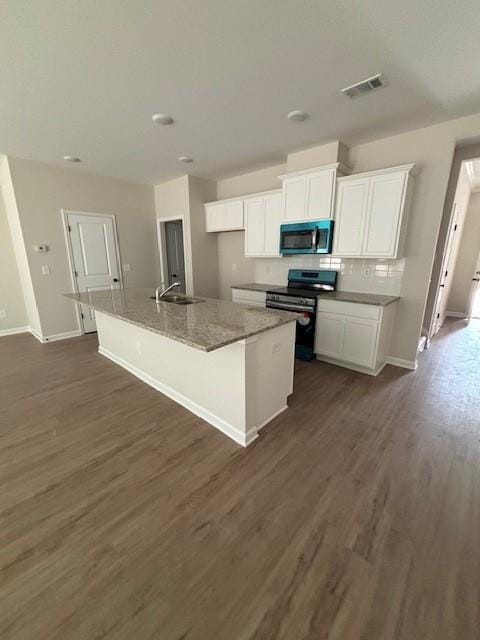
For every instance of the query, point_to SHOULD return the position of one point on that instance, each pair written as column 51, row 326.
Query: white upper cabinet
column 263, row 215
column 294, row 192
column 254, row 226
column 310, row 195
column 350, row 217
column 224, row 215
column 384, row 214
column 371, row 213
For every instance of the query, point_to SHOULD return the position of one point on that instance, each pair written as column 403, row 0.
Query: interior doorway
column 446, row 273
column 92, row 247
column 171, row 241
column 473, row 305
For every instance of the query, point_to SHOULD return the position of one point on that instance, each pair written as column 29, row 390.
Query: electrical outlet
column 3, row 314
column 366, row 272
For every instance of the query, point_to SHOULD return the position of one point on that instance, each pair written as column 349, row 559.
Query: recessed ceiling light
column 297, row 115
column 185, row 159
column 162, row 118
column 71, row 159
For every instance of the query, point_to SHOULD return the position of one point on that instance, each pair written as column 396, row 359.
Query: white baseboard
column 455, row 314
column 14, row 331
column 353, row 367
column 241, row 438
column 56, row 336
column 400, row 362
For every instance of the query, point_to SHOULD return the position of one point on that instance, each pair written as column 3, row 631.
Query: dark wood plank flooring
column 355, row 515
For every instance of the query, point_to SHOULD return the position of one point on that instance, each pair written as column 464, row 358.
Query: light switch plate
column 45, row 270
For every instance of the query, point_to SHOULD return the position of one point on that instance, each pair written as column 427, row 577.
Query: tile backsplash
column 354, row 274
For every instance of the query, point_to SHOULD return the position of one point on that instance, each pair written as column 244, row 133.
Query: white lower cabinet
column 359, row 341
column 252, row 298
column 329, row 335
column 354, row 335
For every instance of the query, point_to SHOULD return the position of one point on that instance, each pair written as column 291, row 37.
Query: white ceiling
column 83, row 78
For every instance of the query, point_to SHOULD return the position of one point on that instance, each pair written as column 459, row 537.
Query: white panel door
column 273, row 209
column 384, row 213
column 94, row 253
column 360, row 341
column 350, row 214
column 320, row 192
column 329, row 332
column 294, row 198
column 254, row 227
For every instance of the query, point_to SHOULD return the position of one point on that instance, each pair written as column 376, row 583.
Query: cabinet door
column 384, row 214
column 273, row 209
column 320, row 193
column 329, row 332
column 214, row 216
column 360, row 341
column 233, row 215
column 294, row 198
column 350, row 215
column 254, row 227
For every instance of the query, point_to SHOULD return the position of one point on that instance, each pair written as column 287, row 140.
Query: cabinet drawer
column 244, row 296
column 353, row 309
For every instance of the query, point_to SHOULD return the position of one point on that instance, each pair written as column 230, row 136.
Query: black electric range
column 304, row 286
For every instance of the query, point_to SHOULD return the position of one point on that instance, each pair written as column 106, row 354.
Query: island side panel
column 211, row 385
column 270, row 361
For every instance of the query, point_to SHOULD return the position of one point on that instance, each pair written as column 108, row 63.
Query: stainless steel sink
column 176, row 299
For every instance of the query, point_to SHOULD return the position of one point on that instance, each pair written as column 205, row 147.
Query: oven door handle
column 288, row 307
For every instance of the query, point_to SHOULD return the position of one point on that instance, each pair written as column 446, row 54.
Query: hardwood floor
column 354, row 516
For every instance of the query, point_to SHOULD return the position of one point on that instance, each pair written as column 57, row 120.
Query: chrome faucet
column 158, row 295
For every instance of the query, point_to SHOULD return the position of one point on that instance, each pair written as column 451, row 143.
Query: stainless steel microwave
column 306, row 237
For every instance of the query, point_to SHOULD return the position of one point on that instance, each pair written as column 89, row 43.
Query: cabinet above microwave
column 310, row 194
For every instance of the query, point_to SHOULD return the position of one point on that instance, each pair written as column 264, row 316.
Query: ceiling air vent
column 365, row 86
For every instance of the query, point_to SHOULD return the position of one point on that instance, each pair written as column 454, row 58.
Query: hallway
column 355, row 515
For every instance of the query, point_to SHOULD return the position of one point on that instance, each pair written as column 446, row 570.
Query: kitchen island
column 230, row 364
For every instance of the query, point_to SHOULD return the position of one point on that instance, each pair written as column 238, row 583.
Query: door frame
column 446, row 259
column 68, row 242
column 162, row 251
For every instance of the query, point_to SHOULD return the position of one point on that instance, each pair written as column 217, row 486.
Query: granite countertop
column 205, row 325
column 361, row 298
column 255, row 286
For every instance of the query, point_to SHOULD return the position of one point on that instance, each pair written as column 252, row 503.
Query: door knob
column 115, row 279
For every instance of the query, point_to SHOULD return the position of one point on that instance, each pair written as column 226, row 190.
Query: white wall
column 469, row 249
column 184, row 197
column 18, row 245
column 41, row 191
column 204, row 245
column 11, row 296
